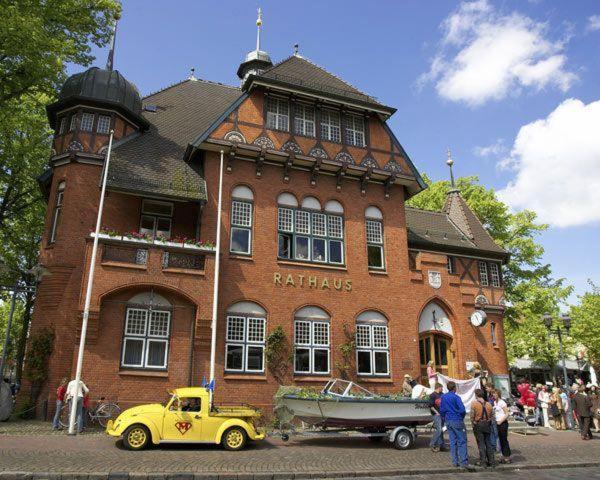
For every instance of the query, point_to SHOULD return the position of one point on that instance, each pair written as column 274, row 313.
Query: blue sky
column 509, row 86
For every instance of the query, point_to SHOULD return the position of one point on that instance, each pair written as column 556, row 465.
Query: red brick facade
column 399, row 292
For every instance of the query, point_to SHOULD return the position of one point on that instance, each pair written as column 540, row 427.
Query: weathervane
column 450, row 162
column 111, row 52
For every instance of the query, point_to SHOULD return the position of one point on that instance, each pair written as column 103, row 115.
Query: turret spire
column 258, row 29
column 256, row 61
column 450, row 163
column 111, row 53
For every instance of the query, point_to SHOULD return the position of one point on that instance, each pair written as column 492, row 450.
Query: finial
column 111, row 52
column 295, row 49
column 258, row 27
column 192, row 77
column 450, row 162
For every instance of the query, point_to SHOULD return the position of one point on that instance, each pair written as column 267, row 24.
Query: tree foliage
column 40, row 37
column 586, row 324
column 530, row 290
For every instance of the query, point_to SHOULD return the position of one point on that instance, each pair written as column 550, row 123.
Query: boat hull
column 355, row 412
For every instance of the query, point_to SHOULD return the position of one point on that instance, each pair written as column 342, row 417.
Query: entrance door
column 436, row 347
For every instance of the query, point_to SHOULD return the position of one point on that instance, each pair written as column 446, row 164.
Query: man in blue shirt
column 453, row 411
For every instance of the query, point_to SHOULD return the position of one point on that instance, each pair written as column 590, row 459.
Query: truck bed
column 234, row 411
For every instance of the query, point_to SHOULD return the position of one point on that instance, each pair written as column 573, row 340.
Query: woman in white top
column 431, row 374
column 544, row 398
column 501, row 416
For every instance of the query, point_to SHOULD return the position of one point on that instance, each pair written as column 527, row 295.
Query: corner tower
column 257, row 61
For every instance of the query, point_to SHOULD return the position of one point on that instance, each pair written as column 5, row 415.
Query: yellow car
column 186, row 418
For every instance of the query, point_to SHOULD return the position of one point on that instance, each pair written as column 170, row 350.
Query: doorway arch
column 435, row 341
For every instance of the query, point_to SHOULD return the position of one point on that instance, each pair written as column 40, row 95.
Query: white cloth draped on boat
column 465, row 389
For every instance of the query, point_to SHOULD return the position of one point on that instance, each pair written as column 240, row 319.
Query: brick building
column 317, row 240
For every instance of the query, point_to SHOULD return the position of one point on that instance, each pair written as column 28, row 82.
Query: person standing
column 544, row 398
column 567, row 416
column 60, row 399
column 557, row 409
column 453, row 413
column 76, row 393
column 583, row 408
column 406, row 386
column 489, row 395
column 435, row 400
column 432, row 374
column 482, row 417
column 595, row 398
column 501, row 417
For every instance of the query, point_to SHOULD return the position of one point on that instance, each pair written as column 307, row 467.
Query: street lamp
column 566, row 320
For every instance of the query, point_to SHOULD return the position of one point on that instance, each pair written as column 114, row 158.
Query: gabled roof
column 459, row 212
column 298, row 72
column 153, row 162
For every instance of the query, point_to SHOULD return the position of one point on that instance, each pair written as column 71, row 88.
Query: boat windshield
column 345, row 388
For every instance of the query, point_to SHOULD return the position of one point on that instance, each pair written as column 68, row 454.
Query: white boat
column 344, row 404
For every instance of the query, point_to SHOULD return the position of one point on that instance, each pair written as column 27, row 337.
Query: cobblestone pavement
column 545, row 474
column 300, row 457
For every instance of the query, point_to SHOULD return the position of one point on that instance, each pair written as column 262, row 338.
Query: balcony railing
column 188, row 261
column 122, row 254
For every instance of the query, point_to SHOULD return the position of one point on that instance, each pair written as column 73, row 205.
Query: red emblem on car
column 183, row 427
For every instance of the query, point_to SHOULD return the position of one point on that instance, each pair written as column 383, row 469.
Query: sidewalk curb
column 17, row 475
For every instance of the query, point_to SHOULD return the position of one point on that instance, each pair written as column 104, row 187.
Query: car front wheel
column 234, row 439
column 136, row 437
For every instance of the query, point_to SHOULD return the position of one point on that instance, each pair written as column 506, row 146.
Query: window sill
column 144, row 373
column 377, row 272
column 308, row 378
column 185, row 271
column 370, row 379
column 244, row 376
column 312, row 265
column 124, row 265
column 234, row 256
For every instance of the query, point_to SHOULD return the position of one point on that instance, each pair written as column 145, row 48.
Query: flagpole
column 88, row 293
column 213, row 341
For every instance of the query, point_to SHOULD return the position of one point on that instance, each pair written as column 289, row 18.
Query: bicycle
column 101, row 413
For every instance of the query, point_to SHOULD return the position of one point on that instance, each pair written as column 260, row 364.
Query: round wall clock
column 478, row 318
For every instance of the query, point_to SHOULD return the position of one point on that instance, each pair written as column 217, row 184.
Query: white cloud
column 487, row 55
column 493, row 150
column 593, row 23
column 557, row 165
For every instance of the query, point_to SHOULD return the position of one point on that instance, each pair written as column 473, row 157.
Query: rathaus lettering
column 312, row 281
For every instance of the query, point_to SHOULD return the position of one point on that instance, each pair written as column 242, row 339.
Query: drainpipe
column 88, row 293
column 213, row 342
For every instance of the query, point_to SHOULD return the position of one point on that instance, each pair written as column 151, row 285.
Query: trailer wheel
column 285, row 437
column 404, row 440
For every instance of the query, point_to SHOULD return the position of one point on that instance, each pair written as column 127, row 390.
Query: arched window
column 372, row 346
column 147, row 331
column 58, row 203
column 311, row 341
column 241, row 220
column 245, row 340
column 306, row 234
column 374, row 226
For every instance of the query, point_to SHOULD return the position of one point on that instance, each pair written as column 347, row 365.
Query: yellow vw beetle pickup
column 187, row 418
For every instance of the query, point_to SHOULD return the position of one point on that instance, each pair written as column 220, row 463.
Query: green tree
column 586, row 324
column 40, row 37
column 530, row 290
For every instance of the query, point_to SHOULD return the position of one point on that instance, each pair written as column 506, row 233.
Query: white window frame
column 331, row 129
column 372, row 349
column 87, row 122
column 278, row 114
column 63, row 125
column 450, row 264
column 245, row 225
column 146, row 338
column 246, row 343
column 312, row 346
column 355, row 130
column 103, row 125
column 377, row 243
column 58, row 204
column 73, row 124
column 483, row 273
column 494, row 270
column 304, row 120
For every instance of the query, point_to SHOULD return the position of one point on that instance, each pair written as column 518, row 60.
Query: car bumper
column 110, row 429
column 259, row 434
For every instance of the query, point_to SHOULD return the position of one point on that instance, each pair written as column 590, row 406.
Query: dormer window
column 87, row 122
column 304, row 120
column 156, row 218
column 73, row 125
column 277, row 114
column 330, row 126
column 63, row 126
column 355, row 130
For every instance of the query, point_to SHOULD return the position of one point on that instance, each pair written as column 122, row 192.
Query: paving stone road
column 300, row 457
column 545, row 474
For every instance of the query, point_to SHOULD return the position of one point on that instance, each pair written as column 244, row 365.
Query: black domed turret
column 101, row 88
